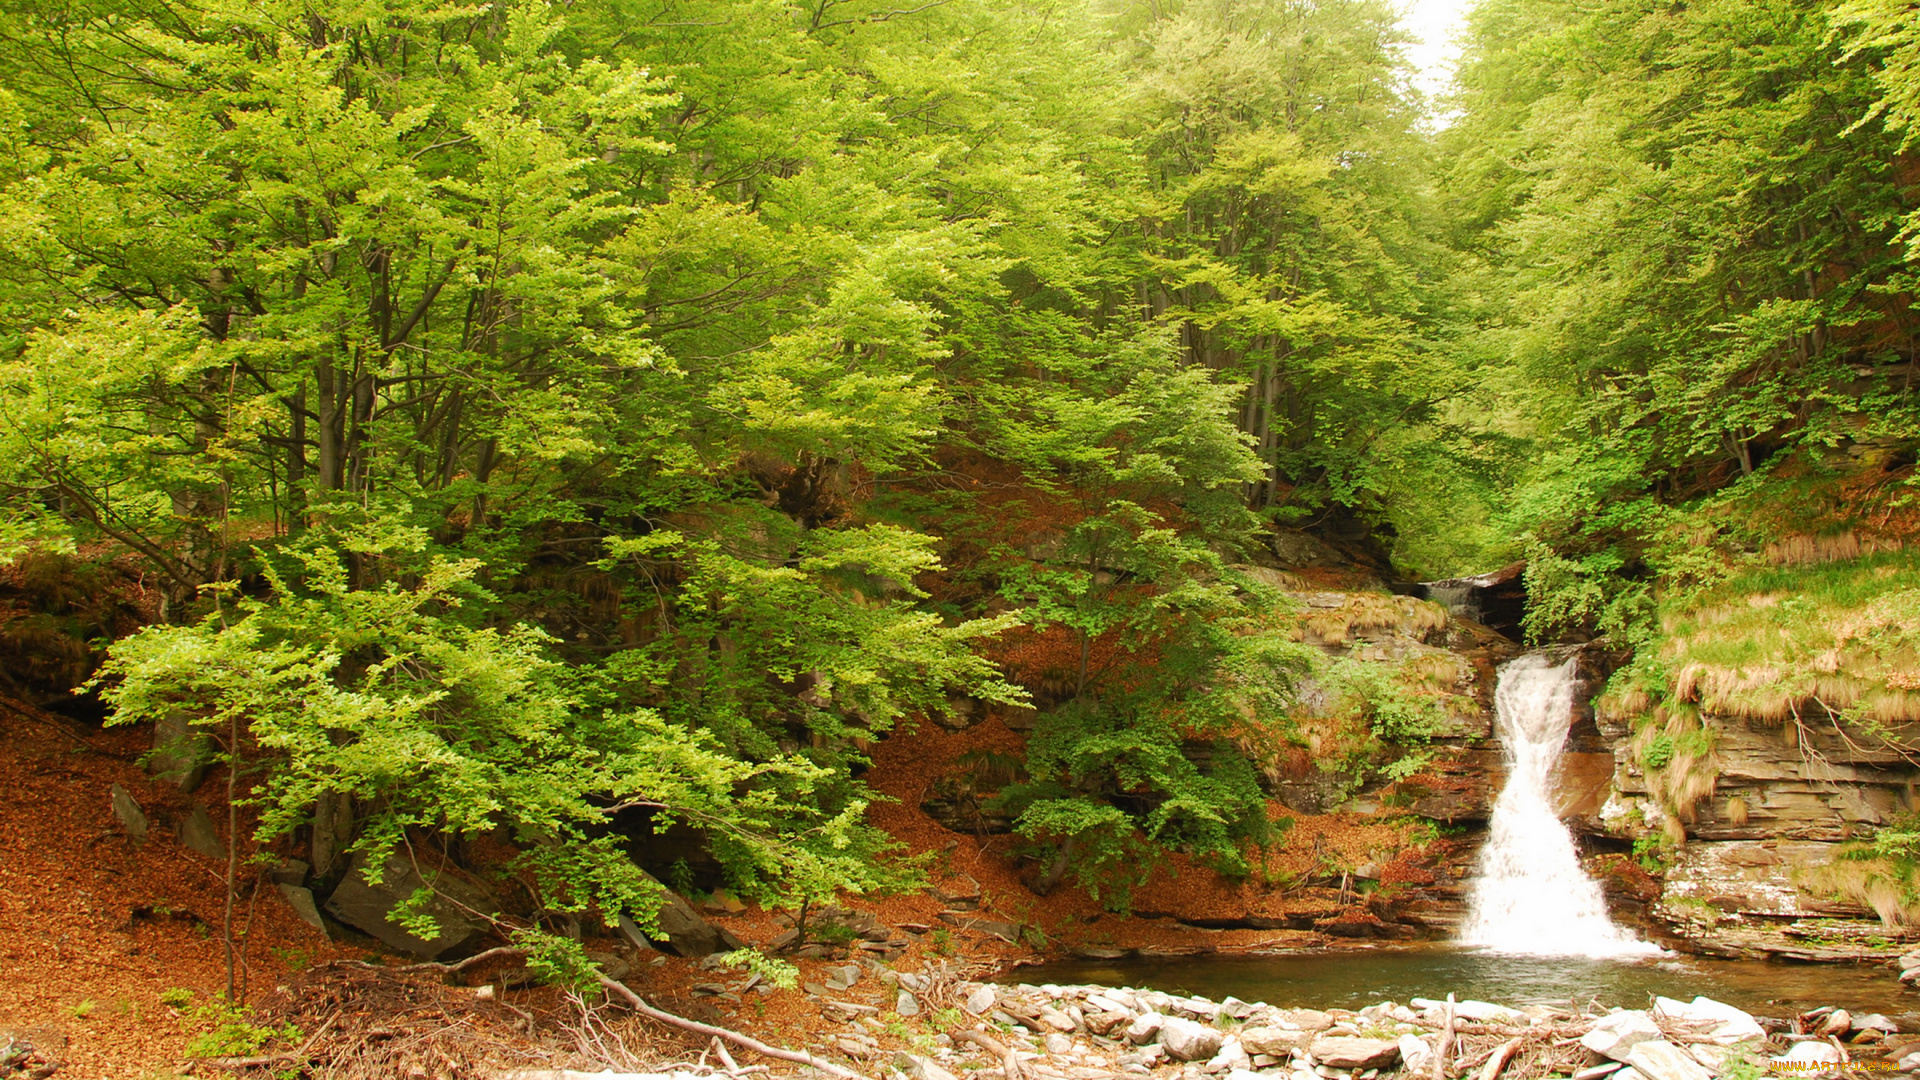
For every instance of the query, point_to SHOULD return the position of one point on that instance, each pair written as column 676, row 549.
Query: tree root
column 637, row 1004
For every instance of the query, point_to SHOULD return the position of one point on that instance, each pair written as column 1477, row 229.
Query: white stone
column 1055, row 1019
column 1346, row 1053
column 1058, row 1043
column 1721, row 1022
column 1661, row 1060
column 906, row 1004
column 1875, row 1022
column 1229, row 1057
column 1486, row 1012
column 1189, row 1040
column 1616, row 1035
column 1272, row 1040
column 1811, row 1052
column 981, row 1001
column 1144, row 1027
column 1414, row 1053
column 1910, row 1062
column 1107, row 1002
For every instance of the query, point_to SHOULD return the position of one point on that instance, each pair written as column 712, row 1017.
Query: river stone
column 1105, row 1023
column 1055, row 1019
column 1189, row 1040
column 1272, row 1040
column 1875, row 1022
column 920, row 1068
column 1236, row 1008
column 1339, row 1052
column 1617, row 1034
column 1811, row 1053
column 1144, row 1027
column 1415, row 1052
column 1231, row 1056
column 1838, row 1022
column 1722, row 1023
column 981, row 1000
column 1108, row 1002
column 1661, row 1060
column 1486, row 1012
column 1306, row 1019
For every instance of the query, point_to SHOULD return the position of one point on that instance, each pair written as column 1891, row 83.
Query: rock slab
column 1189, row 1040
column 1658, row 1059
column 364, row 905
column 1347, row 1052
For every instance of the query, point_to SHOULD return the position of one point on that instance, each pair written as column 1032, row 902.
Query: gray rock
column 1144, row 1028
column 198, row 834
column 920, row 1068
column 1658, row 1059
column 132, row 818
column 631, row 931
column 181, row 751
column 1341, row 1052
column 1058, row 1043
column 1236, row 1008
column 332, row 832
column 1109, row 1003
column 685, row 932
column 289, row 872
column 1272, row 1040
column 981, row 1000
column 1189, row 1040
column 906, row 1004
column 365, row 906
column 1616, row 1035
column 300, row 899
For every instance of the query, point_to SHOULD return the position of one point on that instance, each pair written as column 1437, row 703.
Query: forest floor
column 95, row 929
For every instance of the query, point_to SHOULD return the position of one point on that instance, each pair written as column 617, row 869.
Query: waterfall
column 1530, row 895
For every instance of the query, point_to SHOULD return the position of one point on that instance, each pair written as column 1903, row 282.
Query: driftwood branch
column 1009, row 1063
column 1446, row 1039
column 799, row 1057
column 1500, row 1058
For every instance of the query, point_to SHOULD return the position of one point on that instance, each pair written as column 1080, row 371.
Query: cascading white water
column 1530, row 895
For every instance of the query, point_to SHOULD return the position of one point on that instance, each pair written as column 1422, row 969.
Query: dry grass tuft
column 1837, row 547
column 1874, row 883
column 1363, row 613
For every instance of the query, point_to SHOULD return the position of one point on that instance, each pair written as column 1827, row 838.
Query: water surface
column 1351, row 979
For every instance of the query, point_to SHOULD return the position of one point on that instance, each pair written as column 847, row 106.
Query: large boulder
column 685, row 932
column 365, row 905
column 1719, row 1021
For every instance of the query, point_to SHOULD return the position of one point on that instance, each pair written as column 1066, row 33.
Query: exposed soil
column 94, row 928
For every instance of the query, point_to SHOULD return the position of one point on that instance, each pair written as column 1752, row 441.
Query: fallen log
column 1009, row 1063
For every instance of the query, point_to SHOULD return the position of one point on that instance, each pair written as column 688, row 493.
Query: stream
column 1537, row 930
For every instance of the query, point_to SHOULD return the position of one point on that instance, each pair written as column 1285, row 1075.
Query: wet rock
column 1189, row 1040
column 365, row 905
column 1345, row 1052
column 1658, row 1059
column 1838, row 1022
column 1616, row 1035
column 131, row 817
column 1874, row 1022
column 1145, row 1028
column 1279, row 1042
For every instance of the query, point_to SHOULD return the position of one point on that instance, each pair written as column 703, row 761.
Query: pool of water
column 1354, row 978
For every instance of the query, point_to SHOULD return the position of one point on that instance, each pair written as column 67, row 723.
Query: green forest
column 522, row 415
